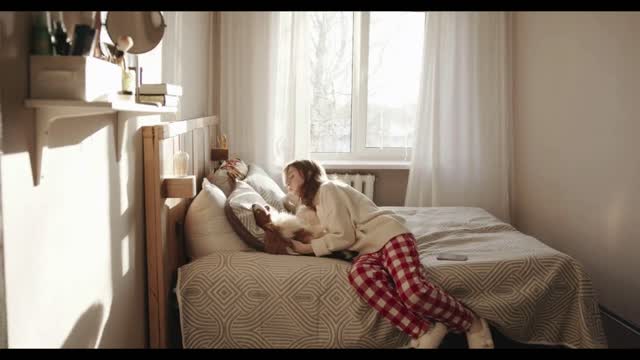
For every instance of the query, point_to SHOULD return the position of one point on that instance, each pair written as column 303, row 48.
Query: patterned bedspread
column 528, row 291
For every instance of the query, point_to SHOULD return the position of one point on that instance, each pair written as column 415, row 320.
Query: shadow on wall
column 19, row 122
column 123, row 322
column 126, row 325
column 86, row 330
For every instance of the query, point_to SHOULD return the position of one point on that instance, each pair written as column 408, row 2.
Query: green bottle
column 41, row 43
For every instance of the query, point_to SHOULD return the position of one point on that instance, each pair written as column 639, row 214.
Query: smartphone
column 453, row 257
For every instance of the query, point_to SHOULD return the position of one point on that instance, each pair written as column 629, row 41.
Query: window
column 364, row 78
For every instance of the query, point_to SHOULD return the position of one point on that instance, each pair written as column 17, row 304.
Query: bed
column 527, row 291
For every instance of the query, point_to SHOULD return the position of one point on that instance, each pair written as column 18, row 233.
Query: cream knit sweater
column 352, row 221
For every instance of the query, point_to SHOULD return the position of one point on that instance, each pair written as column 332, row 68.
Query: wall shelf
column 50, row 110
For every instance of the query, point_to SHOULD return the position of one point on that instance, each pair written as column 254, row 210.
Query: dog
column 308, row 216
column 281, row 227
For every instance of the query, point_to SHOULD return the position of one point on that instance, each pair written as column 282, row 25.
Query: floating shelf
column 50, row 110
column 179, row 186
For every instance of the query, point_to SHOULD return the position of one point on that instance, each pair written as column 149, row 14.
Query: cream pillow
column 207, row 229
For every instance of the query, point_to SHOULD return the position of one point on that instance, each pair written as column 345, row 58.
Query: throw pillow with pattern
column 264, row 184
column 240, row 216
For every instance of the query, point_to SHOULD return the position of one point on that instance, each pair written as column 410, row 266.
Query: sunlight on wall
column 74, row 245
column 124, row 183
column 124, row 248
column 58, row 228
column 151, row 64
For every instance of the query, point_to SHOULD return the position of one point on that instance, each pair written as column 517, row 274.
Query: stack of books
column 167, row 95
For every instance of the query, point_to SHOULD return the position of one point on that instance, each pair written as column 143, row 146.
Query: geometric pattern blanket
column 526, row 290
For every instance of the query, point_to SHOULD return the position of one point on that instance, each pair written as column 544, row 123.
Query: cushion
column 206, row 227
column 240, row 216
column 264, row 185
column 220, row 177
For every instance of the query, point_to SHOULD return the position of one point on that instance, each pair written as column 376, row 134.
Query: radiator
column 360, row 182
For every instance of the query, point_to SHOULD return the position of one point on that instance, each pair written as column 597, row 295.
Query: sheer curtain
column 462, row 152
column 259, row 110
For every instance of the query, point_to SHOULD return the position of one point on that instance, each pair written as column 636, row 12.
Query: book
column 160, row 100
column 160, row 89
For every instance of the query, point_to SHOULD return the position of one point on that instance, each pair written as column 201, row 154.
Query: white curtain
column 462, row 152
column 261, row 102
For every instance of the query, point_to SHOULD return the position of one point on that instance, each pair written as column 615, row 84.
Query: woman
column 387, row 273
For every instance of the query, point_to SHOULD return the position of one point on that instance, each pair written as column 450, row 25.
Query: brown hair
column 314, row 175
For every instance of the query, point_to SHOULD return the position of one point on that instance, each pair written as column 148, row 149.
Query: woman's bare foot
column 432, row 338
column 479, row 335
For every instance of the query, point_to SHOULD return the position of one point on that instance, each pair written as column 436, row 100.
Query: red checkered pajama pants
column 393, row 281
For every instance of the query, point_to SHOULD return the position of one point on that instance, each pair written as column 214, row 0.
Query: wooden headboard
column 164, row 216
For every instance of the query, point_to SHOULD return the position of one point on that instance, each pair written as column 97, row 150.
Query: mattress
column 528, row 291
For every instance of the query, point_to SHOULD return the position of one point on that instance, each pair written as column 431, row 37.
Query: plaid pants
column 393, row 281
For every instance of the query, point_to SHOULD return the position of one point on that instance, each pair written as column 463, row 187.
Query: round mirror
column 146, row 28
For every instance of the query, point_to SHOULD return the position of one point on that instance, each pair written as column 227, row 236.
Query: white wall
column 74, row 245
column 3, row 307
column 188, row 61
column 577, row 165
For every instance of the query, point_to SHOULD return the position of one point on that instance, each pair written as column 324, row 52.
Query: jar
column 180, row 163
column 128, row 82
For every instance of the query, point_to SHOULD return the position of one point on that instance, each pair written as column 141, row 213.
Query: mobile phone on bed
column 452, row 257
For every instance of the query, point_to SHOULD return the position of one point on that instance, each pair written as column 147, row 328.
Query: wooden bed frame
column 164, row 215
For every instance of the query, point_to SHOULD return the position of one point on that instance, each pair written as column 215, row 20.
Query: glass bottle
column 129, row 81
column 41, row 43
column 180, row 163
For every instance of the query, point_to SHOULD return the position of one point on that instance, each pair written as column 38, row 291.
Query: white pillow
column 207, row 229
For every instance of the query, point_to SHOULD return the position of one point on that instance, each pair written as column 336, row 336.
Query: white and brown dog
column 281, row 227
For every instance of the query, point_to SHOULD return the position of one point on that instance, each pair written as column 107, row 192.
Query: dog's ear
column 261, row 216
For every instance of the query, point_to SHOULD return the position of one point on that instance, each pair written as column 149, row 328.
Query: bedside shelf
column 50, row 110
column 178, row 186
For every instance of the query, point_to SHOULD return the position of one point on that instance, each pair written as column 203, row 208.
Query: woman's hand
column 307, row 239
column 301, row 248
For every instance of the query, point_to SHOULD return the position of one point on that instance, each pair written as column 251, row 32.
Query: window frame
column 359, row 104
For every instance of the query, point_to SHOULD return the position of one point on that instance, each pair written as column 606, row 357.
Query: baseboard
column 621, row 334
